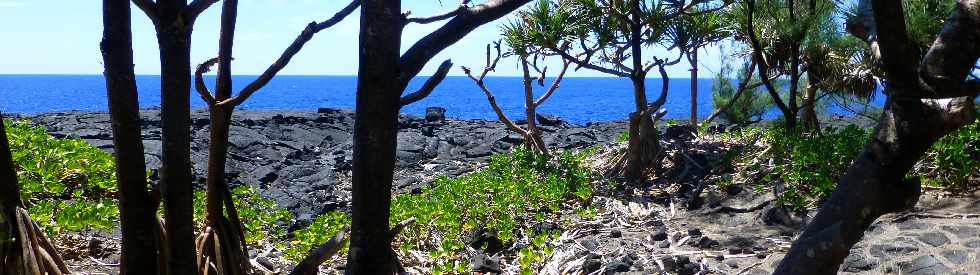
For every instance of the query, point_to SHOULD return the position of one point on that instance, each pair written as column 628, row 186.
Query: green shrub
column 319, row 231
column 808, row 165
column 954, row 160
column 514, row 190
column 66, row 183
column 261, row 218
column 623, row 137
column 69, row 185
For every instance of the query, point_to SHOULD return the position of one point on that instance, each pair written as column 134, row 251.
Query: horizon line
column 327, row 75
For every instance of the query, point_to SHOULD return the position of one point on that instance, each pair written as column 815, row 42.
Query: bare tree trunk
column 382, row 77
column 694, row 87
column 174, row 38
column 809, row 116
column 223, row 244
column 375, row 137
column 927, row 100
column 137, row 217
column 535, row 143
column 644, row 144
column 791, row 116
column 174, row 21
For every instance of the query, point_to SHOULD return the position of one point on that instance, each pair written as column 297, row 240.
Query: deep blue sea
column 580, row 99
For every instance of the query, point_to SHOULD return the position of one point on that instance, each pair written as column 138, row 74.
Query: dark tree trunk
column 535, row 143
column 760, row 60
column 794, row 73
column 694, row 87
column 10, row 258
column 9, row 187
column 809, row 112
column 382, row 77
column 644, row 144
column 174, row 38
column 375, row 137
column 224, row 244
column 137, row 217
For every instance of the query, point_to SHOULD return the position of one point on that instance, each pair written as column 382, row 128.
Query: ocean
column 579, row 99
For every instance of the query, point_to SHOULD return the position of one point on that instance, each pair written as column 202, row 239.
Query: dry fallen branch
column 311, row 263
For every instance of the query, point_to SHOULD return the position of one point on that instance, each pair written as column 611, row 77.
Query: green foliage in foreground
column 513, row 191
column 66, row 184
column 807, row 165
column 320, row 230
column 811, row 165
column 69, row 186
column 954, row 160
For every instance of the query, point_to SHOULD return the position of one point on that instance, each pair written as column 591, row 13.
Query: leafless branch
column 665, row 87
column 196, row 7
column 201, row 88
column 148, row 7
column 288, row 54
column 311, row 263
column 429, row 85
column 493, row 103
column 554, row 84
column 412, row 61
column 397, row 229
column 439, row 17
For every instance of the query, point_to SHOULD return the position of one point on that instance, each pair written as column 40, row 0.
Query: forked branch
column 465, row 21
column 288, row 54
column 554, row 84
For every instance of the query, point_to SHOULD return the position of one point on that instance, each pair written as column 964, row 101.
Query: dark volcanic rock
column 302, row 160
column 923, row 265
column 434, row 114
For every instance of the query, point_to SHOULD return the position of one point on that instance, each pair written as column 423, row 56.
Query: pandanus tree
column 530, row 133
column 929, row 94
column 518, row 38
column 24, row 249
column 383, row 74
column 610, row 37
column 801, row 41
column 776, row 33
column 222, row 244
column 174, row 23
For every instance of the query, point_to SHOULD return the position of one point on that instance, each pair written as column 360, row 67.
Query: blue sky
column 62, row 37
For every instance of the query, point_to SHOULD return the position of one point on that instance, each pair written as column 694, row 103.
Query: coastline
column 301, row 159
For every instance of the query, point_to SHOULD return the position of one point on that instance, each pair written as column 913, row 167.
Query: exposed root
column 29, row 251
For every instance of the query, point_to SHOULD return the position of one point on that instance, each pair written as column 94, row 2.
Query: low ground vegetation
column 803, row 168
column 504, row 202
